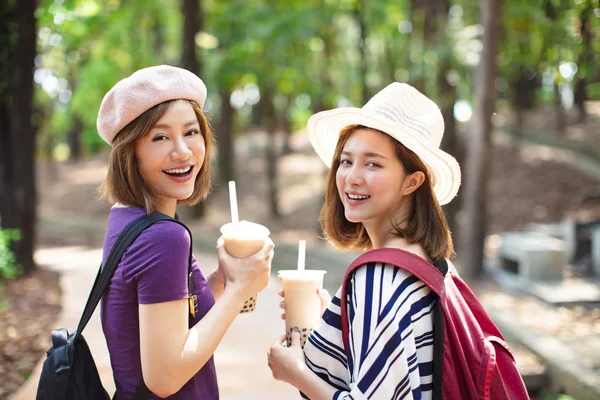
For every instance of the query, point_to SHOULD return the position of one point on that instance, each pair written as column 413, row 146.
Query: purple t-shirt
column 152, row 270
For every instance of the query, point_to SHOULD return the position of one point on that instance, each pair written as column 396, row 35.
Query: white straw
column 233, row 203
column 301, row 254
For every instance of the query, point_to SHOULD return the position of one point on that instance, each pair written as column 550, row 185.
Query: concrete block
column 537, row 256
column 557, row 230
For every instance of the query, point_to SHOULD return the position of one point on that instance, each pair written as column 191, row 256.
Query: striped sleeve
column 390, row 315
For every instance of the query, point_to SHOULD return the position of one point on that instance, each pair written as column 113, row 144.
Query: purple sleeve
column 157, row 263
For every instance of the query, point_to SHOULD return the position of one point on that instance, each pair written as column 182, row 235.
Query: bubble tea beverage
column 242, row 239
column 302, row 301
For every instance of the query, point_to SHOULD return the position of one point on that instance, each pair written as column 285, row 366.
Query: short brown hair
column 124, row 182
column 426, row 224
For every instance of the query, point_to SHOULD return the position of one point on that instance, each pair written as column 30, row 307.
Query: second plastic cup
column 243, row 239
column 302, row 302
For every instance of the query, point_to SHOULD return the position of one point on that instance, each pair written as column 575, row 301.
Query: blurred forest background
column 271, row 64
column 505, row 73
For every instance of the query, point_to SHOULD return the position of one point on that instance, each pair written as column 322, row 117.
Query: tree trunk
column 74, row 140
column 286, row 126
column 389, row 61
column 159, row 37
column 584, row 62
column 225, row 139
column 450, row 142
column 74, row 136
column 325, row 87
column 269, row 124
column 190, row 10
column 435, row 36
column 17, row 162
column 359, row 16
column 560, row 122
column 191, row 25
column 416, row 40
column 479, row 147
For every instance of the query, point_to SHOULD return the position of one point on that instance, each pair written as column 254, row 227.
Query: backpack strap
column 424, row 271
column 105, row 273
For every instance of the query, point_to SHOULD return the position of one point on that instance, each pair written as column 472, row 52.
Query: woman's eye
column 345, row 162
column 158, row 138
column 192, row 132
column 373, row 165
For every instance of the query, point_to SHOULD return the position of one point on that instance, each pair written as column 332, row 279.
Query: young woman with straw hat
column 161, row 317
column 386, row 184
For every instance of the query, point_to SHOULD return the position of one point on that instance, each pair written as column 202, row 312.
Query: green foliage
column 8, row 266
column 296, row 48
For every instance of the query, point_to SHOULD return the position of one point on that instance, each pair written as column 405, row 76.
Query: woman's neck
column 384, row 230
column 391, row 240
column 167, row 206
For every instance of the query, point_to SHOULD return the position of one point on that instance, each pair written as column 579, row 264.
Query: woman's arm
column 171, row 353
column 216, row 282
column 385, row 363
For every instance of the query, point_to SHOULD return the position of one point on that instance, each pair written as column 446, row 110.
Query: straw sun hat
column 405, row 114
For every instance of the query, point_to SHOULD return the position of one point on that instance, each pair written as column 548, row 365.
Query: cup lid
column 245, row 230
column 294, row 273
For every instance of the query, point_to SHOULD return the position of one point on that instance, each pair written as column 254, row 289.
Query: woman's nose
column 354, row 177
column 181, row 151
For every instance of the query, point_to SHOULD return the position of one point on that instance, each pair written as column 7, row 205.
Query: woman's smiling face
column 171, row 155
column 370, row 179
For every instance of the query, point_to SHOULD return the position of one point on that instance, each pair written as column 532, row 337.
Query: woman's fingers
column 325, row 298
column 267, row 250
column 281, row 340
column 324, row 295
column 295, row 338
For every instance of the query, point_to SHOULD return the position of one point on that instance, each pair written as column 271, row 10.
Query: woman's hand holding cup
column 246, row 276
column 324, row 296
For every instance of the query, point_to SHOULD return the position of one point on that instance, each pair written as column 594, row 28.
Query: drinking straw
column 233, row 203
column 301, row 254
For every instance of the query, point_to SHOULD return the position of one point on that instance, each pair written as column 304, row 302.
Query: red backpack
column 476, row 362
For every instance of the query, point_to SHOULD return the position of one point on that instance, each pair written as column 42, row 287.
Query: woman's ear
column 413, row 181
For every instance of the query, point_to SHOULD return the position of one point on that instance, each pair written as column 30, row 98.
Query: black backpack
column 69, row 371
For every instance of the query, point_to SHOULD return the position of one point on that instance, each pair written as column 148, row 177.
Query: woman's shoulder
column 372, row 269
column 166, row 234
column 169, row 234
column 386, row 278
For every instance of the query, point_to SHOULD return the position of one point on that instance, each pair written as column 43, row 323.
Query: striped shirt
column 391, row 338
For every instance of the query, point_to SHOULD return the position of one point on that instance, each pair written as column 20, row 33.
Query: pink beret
column 141, row 91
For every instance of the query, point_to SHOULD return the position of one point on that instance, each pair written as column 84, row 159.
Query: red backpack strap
column 410, row 262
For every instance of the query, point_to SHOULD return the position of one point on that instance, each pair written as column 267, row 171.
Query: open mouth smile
column 181, row 173
column 355, row 199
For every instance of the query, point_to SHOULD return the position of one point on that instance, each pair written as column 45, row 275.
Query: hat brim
column 324, row 129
